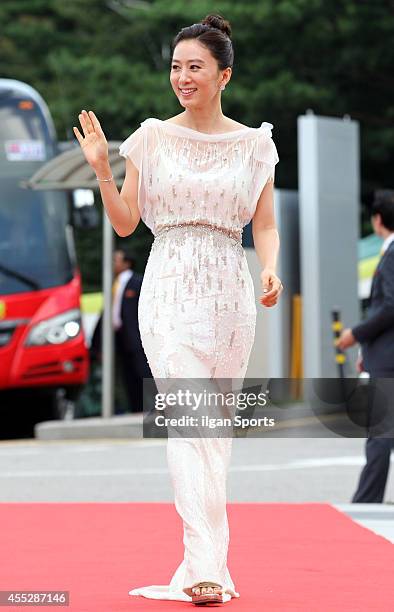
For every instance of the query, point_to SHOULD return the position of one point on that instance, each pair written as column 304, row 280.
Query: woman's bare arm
column 122, row 209
column 266, row 243
column 265, row 233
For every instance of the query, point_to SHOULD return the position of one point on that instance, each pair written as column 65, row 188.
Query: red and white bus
column 43, row 349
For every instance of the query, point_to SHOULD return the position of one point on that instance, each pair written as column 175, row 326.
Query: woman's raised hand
column 93, row 142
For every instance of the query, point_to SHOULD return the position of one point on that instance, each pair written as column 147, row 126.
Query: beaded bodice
column 186, row 176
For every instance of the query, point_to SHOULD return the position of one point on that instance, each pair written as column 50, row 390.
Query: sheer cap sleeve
column 132, row 147
column 266, row 152
column 138, row 148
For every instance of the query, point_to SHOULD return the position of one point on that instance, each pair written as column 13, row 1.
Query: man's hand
column 359, row 364
column 345, row 340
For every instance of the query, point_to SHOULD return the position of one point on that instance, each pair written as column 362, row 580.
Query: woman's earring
column 223, row 87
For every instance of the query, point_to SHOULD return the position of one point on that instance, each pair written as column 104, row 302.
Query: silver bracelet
column 104, row 180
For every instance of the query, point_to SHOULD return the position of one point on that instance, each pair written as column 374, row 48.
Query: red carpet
column 282, row 557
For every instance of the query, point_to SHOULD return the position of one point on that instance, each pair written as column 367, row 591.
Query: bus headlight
column 56, row 330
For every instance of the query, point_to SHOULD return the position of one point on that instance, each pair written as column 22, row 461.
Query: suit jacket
column 128, row 336
column 376, row 333
column 129, row 332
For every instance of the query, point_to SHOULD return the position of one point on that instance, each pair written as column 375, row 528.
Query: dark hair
column 214, row 32
column 383, row 205
column 128, row 256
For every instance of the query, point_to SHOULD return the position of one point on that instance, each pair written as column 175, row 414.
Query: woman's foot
column 206, row 593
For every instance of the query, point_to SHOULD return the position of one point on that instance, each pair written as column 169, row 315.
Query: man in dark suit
column 376, row 336
column 128, row 346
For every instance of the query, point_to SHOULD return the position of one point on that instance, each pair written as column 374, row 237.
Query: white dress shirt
column 386, row 242
column 123, row 279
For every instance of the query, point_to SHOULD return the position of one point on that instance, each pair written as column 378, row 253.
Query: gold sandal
column 206, row 598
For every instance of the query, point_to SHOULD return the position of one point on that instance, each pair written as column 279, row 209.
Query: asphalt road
column 261, row 470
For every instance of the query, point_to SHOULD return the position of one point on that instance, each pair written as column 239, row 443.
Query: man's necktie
column 115, row 287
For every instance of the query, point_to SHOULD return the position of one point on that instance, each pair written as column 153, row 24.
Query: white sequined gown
column 197, row 309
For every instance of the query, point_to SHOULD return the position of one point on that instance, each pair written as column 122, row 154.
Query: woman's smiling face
column 194, row 68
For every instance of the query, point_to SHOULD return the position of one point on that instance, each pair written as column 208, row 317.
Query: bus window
column 24, row 135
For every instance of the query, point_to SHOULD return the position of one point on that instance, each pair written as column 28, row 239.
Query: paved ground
column 262, row 470
column 276, row 470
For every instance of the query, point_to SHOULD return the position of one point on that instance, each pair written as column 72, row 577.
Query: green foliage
column 332, row 56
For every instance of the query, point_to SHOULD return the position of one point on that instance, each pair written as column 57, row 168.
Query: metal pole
column 107, row 406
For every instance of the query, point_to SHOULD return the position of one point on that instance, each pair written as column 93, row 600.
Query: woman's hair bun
column 217, row 21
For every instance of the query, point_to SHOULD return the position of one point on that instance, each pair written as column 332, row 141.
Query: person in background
column 376, row 336
column 128, row 346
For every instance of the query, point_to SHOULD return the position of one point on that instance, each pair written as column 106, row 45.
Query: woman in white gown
column 196, row 180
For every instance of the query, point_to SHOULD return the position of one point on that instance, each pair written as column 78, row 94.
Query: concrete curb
column 121, row 426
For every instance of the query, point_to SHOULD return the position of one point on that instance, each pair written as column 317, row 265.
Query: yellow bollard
column 337, row 326
column 296, row 364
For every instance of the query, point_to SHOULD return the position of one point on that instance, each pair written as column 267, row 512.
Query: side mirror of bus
column 84, row 213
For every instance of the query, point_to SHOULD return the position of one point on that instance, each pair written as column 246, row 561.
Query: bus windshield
column 33, row 240
column 35, row 250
